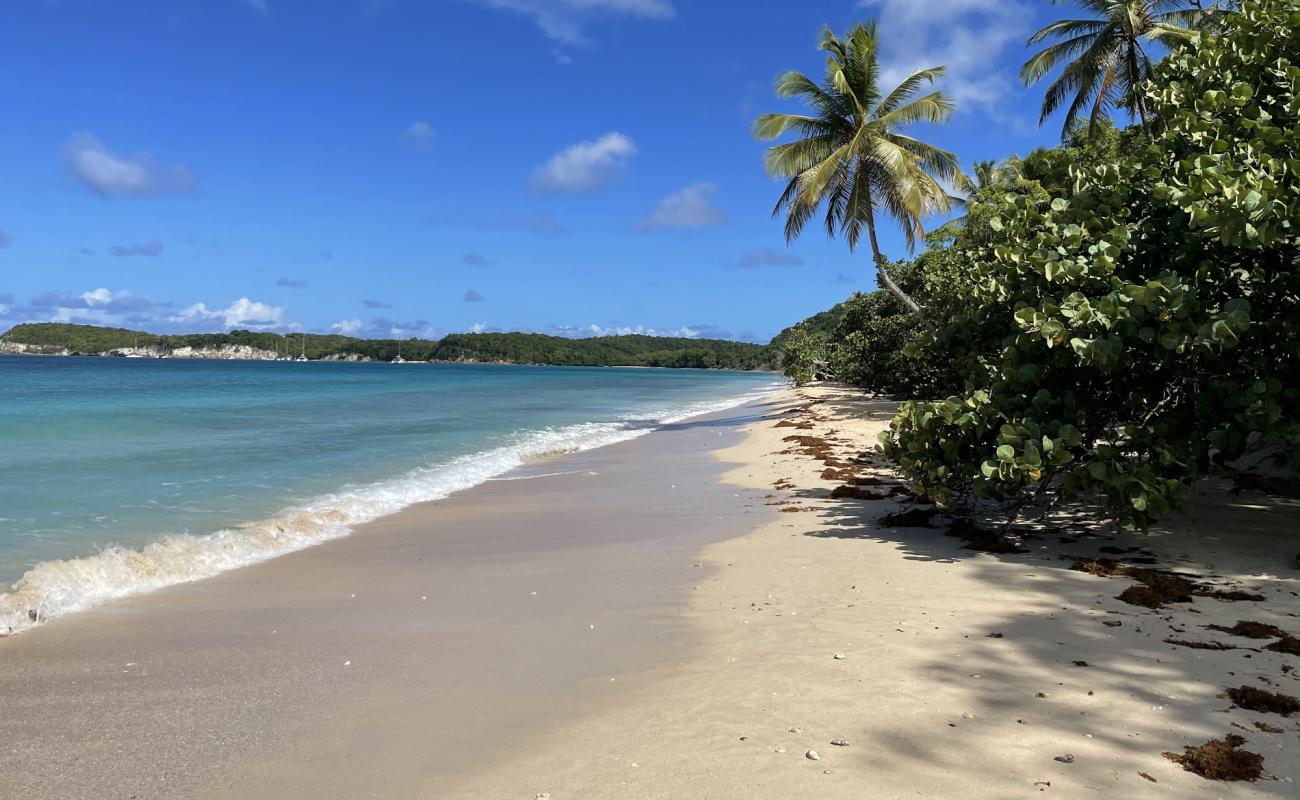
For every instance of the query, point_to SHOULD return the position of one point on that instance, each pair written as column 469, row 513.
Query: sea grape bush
column 799, row 355
column 1134, row 324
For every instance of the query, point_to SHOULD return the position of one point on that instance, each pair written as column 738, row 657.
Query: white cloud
column 100, row 306
column 419, row 135
column 563, row 20
column 98, row 297
column 241, row 313
column 257, row 5
column 587, row 331
column 347, row 327
column 105, row 173
column 691, row 207
column 971, row 43
column 585, row 167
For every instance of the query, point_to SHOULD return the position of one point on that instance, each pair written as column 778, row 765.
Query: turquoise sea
column 119, row 476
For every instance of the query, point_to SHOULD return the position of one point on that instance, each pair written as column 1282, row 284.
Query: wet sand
column 422, row 648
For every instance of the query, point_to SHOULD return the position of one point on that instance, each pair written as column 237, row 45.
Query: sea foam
column 54, row 588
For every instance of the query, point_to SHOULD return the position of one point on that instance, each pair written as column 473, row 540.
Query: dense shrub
column 1134, row 323
column 800, row 354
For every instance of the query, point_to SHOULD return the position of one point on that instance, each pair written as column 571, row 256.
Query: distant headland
column 62, row 339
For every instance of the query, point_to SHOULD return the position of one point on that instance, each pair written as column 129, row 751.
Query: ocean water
column 120, row 476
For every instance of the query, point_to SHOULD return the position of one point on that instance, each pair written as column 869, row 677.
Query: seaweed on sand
column 1221, row 760
column 1252, row 699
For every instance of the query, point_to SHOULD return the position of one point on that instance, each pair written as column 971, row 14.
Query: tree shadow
column 1051, row 663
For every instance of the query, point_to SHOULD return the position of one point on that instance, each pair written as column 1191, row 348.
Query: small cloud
column 4, row 239
column 418, row 135
column 347, row 327
column 97, row 296
column 96, row 304
column 257, row 5
column 473, row 297
column 618, row 329
column 973, row 44
column 689, row 208
column 764, row 257
column 475, row 260
column 56, row 300
column 241, row 313
column 290, row 283
column 382, row 327
column 375, row 304
column 108, row 174
column 482, row 327
column 585, row 167
column 150, row 249
column 562, row 21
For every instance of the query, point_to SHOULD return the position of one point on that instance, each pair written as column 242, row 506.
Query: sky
column 398, row 168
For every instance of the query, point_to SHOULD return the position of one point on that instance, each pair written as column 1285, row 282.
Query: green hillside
column 515, row 348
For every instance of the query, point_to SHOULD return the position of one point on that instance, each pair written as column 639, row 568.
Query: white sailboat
column 399, row 359
column 303, row 356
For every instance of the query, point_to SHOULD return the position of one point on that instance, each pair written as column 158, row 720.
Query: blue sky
column 414, row 168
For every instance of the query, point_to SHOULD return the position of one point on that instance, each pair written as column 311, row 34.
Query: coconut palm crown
column 1104, row 57
column 851, row 155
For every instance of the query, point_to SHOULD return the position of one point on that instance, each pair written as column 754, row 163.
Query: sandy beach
column 915, row 667
column 689, row 614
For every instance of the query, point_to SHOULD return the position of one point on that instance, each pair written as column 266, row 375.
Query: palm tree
column 1105, row 61
column 986, row 177
column 851, row 154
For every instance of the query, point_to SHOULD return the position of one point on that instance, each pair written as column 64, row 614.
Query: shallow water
column 123, row 475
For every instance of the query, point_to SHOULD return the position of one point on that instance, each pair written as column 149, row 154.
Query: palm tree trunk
column 1134, row 86
column 882, row 270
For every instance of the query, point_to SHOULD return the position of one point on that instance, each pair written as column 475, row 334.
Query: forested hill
column 515, row 348
column 631, row 350
column 820, row 324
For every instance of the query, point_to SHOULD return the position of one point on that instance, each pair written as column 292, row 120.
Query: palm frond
column 907, row 87
column 934, row 108
column 1047, row 59
column 1068, row 27
column 940, row 163
column 790, row 159
column 771, row 126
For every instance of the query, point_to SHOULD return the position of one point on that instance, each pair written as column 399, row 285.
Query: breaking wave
column 54, row 588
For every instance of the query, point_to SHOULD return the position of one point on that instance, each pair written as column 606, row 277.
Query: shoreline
column 54, row 588
column 416, row 648
column 705, row 618
column 342, row 358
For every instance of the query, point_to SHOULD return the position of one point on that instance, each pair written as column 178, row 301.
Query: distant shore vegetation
column 1108, row 320
column 513, row 348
